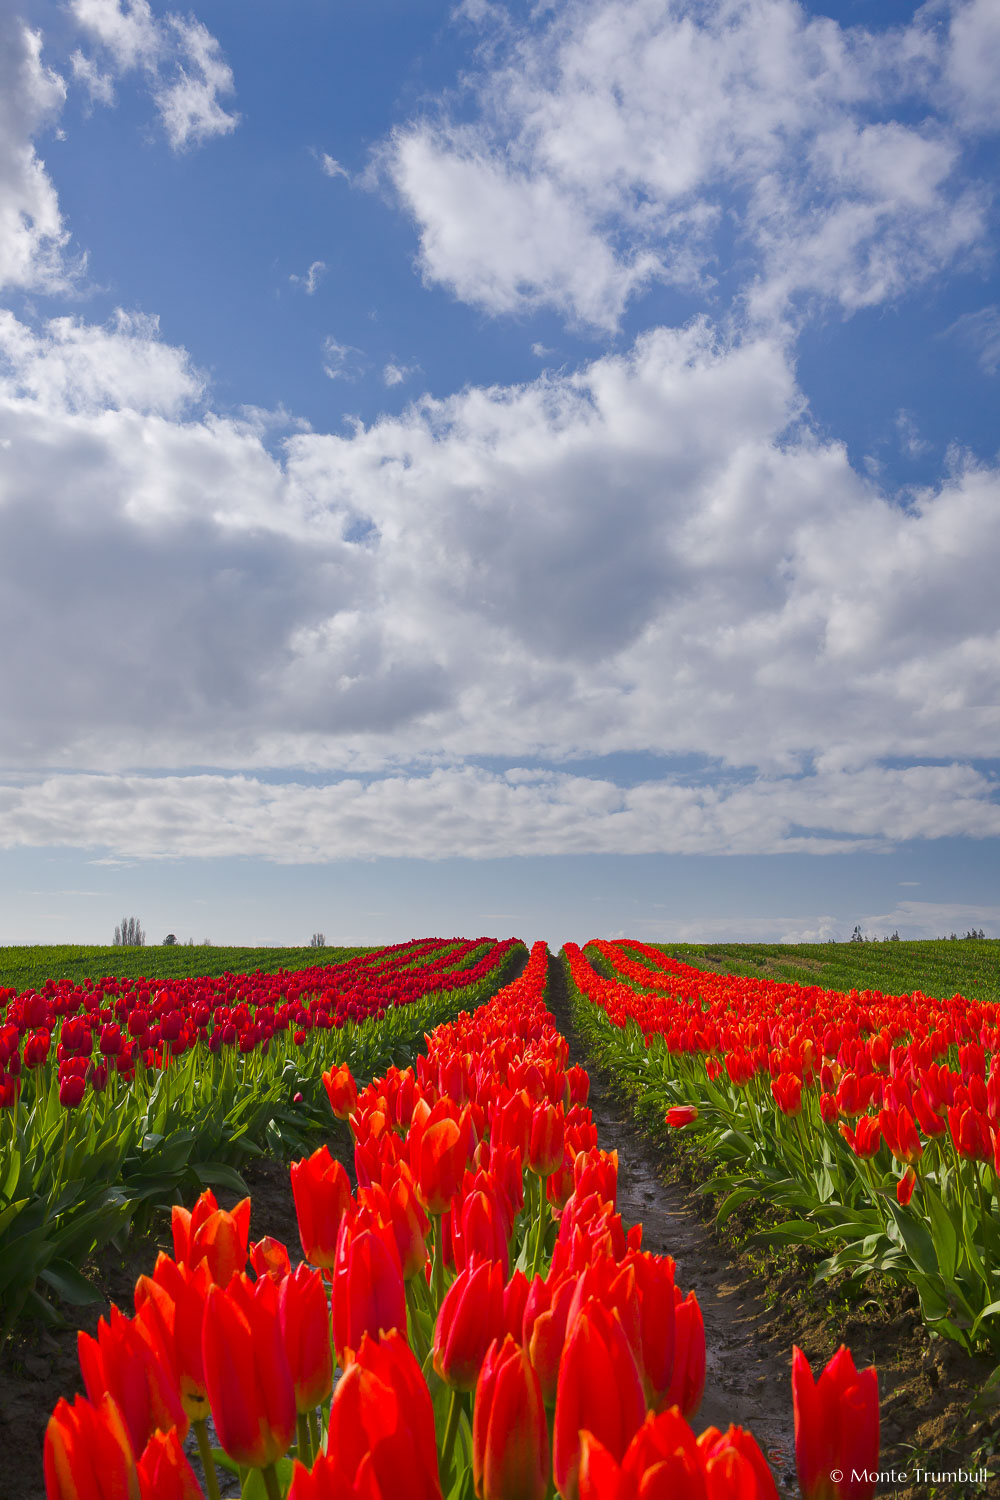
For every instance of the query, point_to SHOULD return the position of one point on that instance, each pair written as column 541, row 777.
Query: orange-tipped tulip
column 510, row 1436
column 210, row 1233
column 321, row 1189
column 599, row 1390
column 246, row 1373
column 836, row 1427
column 342, row 1091
column 87, row 1454
column 170, row 1313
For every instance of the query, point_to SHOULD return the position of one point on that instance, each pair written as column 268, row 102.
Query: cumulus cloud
column 32, row 235
column 588, row 563
column 182, row 62
column 611, row 144
column 481, row 815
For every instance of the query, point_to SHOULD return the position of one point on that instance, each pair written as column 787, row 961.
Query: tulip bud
column 836, row 1427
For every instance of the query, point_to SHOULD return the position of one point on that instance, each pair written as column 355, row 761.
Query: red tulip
column 836, row 1428
column 120, row 1363
column 547, row 1139
column 269, row 1257
column 439, row 1154
column 367, row 1292
column 305, row 1330
column 210, row 1233
column 471, row 1317
column 246, row 1373
column 734, row 1465
column 687, row 1380
column 169, row 1314
column 87, row 1453
column 381, row 1442
column 599, row 1390
column 322, row 1193
column 510, row 1437
column 342, row 1091
column 164, row 1472
column 681, row 1114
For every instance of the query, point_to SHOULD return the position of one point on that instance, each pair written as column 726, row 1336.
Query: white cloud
column 32, row 235
column 609, row 141
column 590, row 563
column 980, row 332
column 397, row 374
column 331, row 167
column 481, row 815
column 338, row 359
column 311, row 280
column 181, row 60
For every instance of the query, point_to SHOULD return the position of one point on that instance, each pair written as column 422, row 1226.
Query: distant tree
column 129, row 934
column 206, row 943
column 318, row 940
column 976, row 933
column 895, row 936
column 169, row 940
column 857, row 936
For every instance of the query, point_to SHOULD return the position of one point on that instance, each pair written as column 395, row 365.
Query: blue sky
column 524, row 468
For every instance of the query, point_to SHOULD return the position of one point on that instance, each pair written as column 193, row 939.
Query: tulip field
column 468, row 1314
column 871, row 1122
column 117, row 1094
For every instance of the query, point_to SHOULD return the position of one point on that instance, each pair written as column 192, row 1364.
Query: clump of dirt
column 758, row 1303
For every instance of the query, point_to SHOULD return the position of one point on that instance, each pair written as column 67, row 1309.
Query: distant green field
column 23, row 968
column 939, row 966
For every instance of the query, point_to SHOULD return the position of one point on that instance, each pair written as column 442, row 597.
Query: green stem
column 543, row 1215
column 270, row 1477
column 303, row 1436
column 315, row 1431
column 208, row 1462
column 437, row 1271
column 450, row 1433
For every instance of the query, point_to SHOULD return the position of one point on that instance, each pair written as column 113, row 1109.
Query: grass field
column 28, row 967
column 935, row 966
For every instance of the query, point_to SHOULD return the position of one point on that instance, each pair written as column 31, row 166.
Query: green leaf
column 794, row 1232
column 70, row 1284
column 733, row 1201
column 217, row 1174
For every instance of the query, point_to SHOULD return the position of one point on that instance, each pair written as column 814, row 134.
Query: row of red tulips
column 117, row 1024
column 873, row 1119
column 495, row 1327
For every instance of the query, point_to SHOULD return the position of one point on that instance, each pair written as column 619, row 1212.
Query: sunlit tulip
column 599, row 1389
column 367, row 1291
column 471, row 1317
column 836, row 1428
column 510, row 1438
column 321, row 1189
column 87, row 1453
column 341, row 1090
column 680, row 1115
column 164, row 1472
column 211, row 1234
column 687, row 1380
column 119, row 1362
column 305, row 1331
column 246, row 1373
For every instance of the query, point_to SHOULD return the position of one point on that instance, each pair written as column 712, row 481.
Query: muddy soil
column 756, row 1305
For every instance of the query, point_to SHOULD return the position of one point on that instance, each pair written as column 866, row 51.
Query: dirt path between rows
column 748, row 1361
